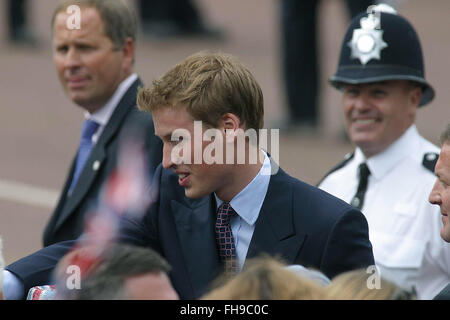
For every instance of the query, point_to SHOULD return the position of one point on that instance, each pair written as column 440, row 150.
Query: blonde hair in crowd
column 209, row 85
column 267, row 279
column 353, row 285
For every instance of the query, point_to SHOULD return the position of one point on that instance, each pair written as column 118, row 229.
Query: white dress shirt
column 12, row 286
column 103, row 115
column 404, row 227
column 247, row 205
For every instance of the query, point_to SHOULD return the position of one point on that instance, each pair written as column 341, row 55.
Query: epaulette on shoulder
column 347, row 158
column 429, row 160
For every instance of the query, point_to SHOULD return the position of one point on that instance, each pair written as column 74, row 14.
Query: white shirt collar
column 102, row 115
column 249, row 201
column 380, row 164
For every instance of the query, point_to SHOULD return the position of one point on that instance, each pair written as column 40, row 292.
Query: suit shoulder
column 140, row 123
column 318, row 199
column 137, row 116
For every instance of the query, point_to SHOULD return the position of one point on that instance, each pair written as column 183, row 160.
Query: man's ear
column 415, row 95
column 128, row 54
column 229, row 124
column 230, row 121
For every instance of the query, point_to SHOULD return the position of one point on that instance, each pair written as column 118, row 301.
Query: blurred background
column 39, row 126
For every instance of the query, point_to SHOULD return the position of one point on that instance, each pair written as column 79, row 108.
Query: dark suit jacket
column 298, row 222
column 66, row 222
column 444, row 294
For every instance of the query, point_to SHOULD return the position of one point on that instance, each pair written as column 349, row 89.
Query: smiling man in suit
column 95, row 67
column 211, row 216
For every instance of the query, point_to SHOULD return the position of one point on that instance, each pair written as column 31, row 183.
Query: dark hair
column 118, row 263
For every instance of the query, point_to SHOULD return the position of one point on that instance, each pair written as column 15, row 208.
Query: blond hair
column 353, row 285
column 267, row 279
column 209, row 85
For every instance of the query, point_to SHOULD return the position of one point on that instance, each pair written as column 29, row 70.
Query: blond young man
column 271, row 212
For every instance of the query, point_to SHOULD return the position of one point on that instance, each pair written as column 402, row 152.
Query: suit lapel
column 98, row 154
column 274, row 230
column 195, row 223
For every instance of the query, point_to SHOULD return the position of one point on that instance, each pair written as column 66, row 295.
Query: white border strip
column 27, row 194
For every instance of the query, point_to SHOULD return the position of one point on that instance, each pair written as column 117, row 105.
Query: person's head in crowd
column 121, row 272
column 93, row 58
column 218, row 90
column 2, row 265
column 361, row 285
column 266, row 278
column 440, row 194
column 311, row 274
column 381, row 75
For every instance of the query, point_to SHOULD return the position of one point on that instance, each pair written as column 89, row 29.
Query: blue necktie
column 87, row 131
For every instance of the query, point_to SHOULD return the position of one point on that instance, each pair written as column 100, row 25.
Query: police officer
column 390, row 174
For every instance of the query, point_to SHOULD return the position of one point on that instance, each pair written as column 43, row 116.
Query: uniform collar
column 248, row 202
column 380, row 164
column 102, row 115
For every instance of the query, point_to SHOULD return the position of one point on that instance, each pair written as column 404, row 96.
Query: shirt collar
column 249, row 201
column 102, row 115
column 380, row 164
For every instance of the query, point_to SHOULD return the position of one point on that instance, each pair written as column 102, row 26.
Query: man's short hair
column 106, row 280
column 119, row 20
column 209, row 85
column 445, row 136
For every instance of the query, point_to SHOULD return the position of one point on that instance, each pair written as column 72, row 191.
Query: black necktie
column 364, row 173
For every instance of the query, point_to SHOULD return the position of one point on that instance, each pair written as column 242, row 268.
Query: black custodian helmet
column 381, row 46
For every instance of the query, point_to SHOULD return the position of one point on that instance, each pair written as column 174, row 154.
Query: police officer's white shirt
column 404, row 227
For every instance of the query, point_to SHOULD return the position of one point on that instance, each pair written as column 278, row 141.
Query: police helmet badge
column 367, row 41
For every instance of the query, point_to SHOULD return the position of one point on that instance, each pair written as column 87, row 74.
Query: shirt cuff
column 13, row 288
